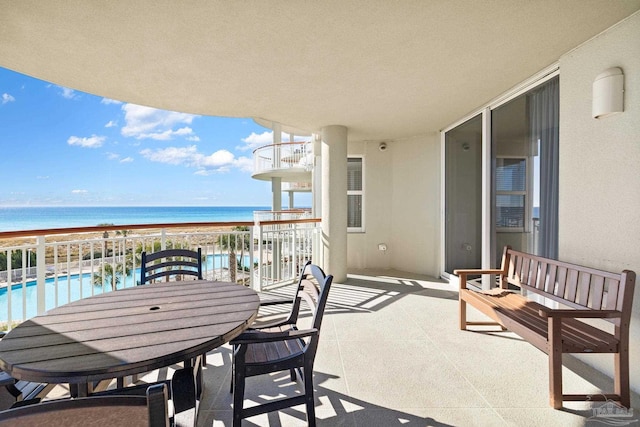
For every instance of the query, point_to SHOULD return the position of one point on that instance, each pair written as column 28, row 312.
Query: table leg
column 79, row 390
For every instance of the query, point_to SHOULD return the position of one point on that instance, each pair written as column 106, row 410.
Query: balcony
column 41, row 270
column 290, row 161
column 391, row 355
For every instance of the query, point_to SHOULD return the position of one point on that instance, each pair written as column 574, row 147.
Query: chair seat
column 268, row 352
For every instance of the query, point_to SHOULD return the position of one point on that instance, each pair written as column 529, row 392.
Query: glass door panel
column 524, row 137
column 463, row 195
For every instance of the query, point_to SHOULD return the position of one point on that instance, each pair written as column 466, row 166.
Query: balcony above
column 290, row 161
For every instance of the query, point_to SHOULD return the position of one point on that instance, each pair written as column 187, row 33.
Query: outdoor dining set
column 100, row 345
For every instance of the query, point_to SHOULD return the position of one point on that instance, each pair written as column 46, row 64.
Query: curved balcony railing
column 42, row 269
column 284, row 156
column 297, row 186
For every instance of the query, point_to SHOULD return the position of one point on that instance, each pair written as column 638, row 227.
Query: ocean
column 36, row 218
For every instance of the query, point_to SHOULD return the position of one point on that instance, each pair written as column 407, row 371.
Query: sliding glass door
column 524, row 138
column 463, row 195
column 501, row 180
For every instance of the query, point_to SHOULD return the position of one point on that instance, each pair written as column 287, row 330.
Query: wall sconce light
column 608, row 89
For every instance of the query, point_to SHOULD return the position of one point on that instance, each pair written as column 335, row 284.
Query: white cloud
column 7, row 98
column 109, row 101
column 127, row 160
column 218, row 162
column 111, row 124
column 79, row 191
column 151, row 123
column 172, row 155
column 113, row 156
column 67, row 93
column 93, row 141
column 255, row 140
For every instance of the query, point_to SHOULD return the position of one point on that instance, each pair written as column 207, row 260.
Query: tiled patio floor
column 391, row 355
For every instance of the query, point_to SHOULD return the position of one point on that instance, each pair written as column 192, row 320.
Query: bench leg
column 621, row 378
column 463, row 314
column 555, row 362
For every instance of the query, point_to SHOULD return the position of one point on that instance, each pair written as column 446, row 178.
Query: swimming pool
column 74, row 287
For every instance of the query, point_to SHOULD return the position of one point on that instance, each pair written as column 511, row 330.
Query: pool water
column 74, row 287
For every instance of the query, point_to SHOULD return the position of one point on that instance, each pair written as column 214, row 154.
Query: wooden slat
column 597, row 289
column 561, row 282
column 572, row 285
column 582, row 295
column 550, row 282
column 612, row 294
column 533, row 274
column 542, row 276
column 518, row 272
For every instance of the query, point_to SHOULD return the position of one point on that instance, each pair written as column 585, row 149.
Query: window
column 511, row 194
column 355, row 195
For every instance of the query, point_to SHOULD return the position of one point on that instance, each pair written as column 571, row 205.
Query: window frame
column 360, row 193
column 527, row 193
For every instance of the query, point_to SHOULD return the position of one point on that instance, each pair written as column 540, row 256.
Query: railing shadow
column 333, row 408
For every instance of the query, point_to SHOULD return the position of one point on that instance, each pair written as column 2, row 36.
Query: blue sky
column 62, row 147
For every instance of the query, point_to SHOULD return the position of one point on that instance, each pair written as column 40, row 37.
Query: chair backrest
column 150, row 410
column 170, row 263
column 314, row 290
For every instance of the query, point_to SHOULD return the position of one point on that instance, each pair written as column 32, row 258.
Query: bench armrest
column 463, row 274
column 578, row 314
column 458, row 272
column 252, row 337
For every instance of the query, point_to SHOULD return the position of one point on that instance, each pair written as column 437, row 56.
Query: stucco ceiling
column 385, row 69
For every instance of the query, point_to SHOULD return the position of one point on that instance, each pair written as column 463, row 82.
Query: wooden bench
column 570, row 292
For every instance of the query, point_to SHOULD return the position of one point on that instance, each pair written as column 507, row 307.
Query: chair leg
column 309, row 399
column 238, row 400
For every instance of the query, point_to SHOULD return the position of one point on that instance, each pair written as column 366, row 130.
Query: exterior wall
column 402, row 206
column 599, row 173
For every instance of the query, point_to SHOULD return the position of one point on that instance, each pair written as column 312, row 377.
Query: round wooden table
column 126, row 332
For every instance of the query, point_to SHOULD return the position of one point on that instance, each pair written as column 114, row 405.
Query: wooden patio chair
column 282, row 346
column 170, row 262
column 133, row 411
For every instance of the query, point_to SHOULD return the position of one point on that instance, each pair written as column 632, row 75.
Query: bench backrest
column 573, row 285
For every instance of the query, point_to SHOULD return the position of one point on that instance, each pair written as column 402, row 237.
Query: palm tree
column 232, row 242
column 113, row 277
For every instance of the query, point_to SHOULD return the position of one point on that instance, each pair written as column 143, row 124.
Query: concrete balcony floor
column 391, row 355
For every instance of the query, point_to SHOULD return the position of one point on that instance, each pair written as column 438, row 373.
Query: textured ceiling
column 385, row 69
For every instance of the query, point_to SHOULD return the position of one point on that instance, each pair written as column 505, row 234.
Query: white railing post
column 261, row 258
column 163, row 239
column 41, row 273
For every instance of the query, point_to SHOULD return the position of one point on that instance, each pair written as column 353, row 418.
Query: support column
column 334, row 200
column 276, row 197
column 291, row 201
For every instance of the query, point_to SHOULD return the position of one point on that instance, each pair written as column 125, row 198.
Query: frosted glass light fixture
column 608, row 89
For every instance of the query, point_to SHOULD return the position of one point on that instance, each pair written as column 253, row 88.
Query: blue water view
column 74, row 287
column 35, row 218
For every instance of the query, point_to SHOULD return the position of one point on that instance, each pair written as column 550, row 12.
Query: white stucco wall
column 402, row 206
column 600, row 168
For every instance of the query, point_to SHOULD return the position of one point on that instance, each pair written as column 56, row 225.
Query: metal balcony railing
column 42, row 269
column 287, row 155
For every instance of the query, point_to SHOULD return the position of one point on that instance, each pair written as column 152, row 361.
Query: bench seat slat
column 520, row 315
